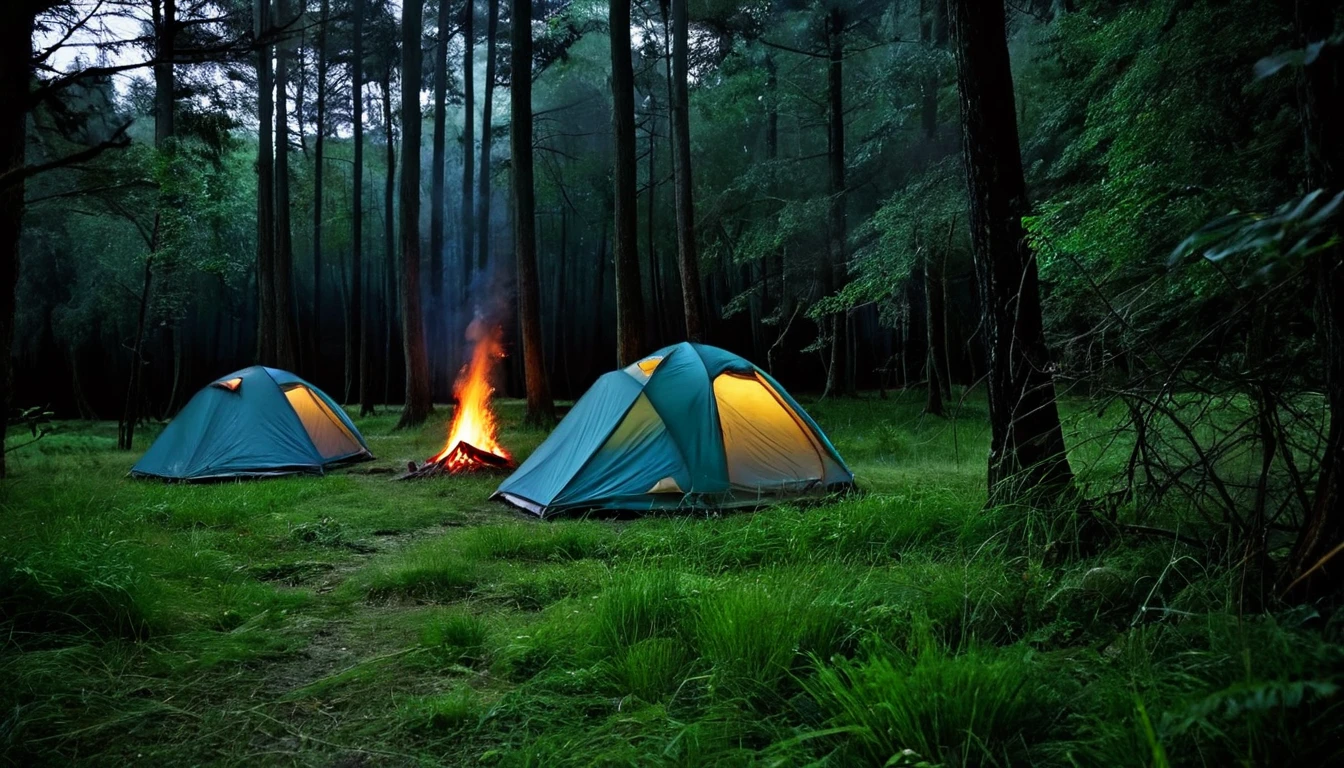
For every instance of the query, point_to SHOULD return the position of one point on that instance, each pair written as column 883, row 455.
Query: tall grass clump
column 431, row 571
column 78, row 587
column 636, row 606
column 751, row 634
column 979, row 708
column 455, row 637
column 651, row 669
column 535, row 542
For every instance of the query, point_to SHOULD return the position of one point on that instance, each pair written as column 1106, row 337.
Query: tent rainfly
column 690, row 426
column 257, row 422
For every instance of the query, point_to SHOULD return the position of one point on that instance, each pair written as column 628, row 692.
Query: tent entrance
column 767, row 447
column 325, row 429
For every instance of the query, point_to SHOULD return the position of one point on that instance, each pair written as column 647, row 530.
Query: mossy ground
column 349, row 620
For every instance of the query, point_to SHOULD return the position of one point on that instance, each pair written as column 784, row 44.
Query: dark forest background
column 1139, row 123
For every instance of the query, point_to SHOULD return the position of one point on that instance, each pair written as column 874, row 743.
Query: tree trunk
column 839, row 377
column 358, row 313
column 266, row 311
column 687, row 258
column 629, row 296
column 437, row 335
column 468, row 143
column 287, row 334
column 487, row 139
column 165, row 32
column 439, row 161
column 775, row 260
column 1316, row 565
column 16, row 50
column 1027, row 455
column 933, row 32
column 319, row 149
column 389, row 236
column 419, row 401
column 937, row 334
column 540, row 408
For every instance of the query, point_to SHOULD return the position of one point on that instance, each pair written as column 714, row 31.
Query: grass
column 350, row 620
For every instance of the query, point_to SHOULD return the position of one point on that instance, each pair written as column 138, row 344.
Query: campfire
column 473, row 443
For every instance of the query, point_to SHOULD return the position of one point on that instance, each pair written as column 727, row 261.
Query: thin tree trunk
column 487, row 139
column 131, row 409
column 655, row 268
column 419, row 399
column 1316, row 565
column 357, row 303
column 165, row 30
column 629, row 295
column 287, row 335
column 933, row 32
column 540, row 408
column 319, row 170
column 16, row 49
column 437, row 212
column 267, row 353
column 439, row 159
column 468, row 142
column 1027, row 455
column 389, row 237
column 775, row 261
column 937, row 334
column 687, row 258
column 839, row 376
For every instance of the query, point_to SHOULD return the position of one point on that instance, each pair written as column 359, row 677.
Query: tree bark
column 287, row 334
column 319, row 170
column 629, row 296
column 16, row 51
column 358, row 313
column 540, row 407
column 1316, row 565
column 688, row 260
column 468, row 143
column 1027, row 457
column 419, row 402
column 266, row 311
column 839, row 377
column 487, row 138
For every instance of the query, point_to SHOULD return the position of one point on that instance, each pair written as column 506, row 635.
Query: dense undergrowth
column 348, row 620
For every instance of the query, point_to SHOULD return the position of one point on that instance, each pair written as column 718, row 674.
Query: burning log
column 464, row 457
column 473, row 442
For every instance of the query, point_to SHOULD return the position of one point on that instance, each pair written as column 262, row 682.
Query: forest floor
column 350, row 620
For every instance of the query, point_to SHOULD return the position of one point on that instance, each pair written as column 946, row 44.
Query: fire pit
column 473, row 437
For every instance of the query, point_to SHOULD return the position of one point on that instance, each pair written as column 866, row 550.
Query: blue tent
column 256, row 422
column 690, row 426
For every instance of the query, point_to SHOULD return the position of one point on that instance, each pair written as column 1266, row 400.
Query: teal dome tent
column 256, row 422
column 690, row 426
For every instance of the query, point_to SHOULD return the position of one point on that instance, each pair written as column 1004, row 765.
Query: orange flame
column 473, row 420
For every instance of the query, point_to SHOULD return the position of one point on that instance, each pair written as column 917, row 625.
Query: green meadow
column 351, row 620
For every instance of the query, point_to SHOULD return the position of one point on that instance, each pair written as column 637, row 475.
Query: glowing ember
column 474, row 424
